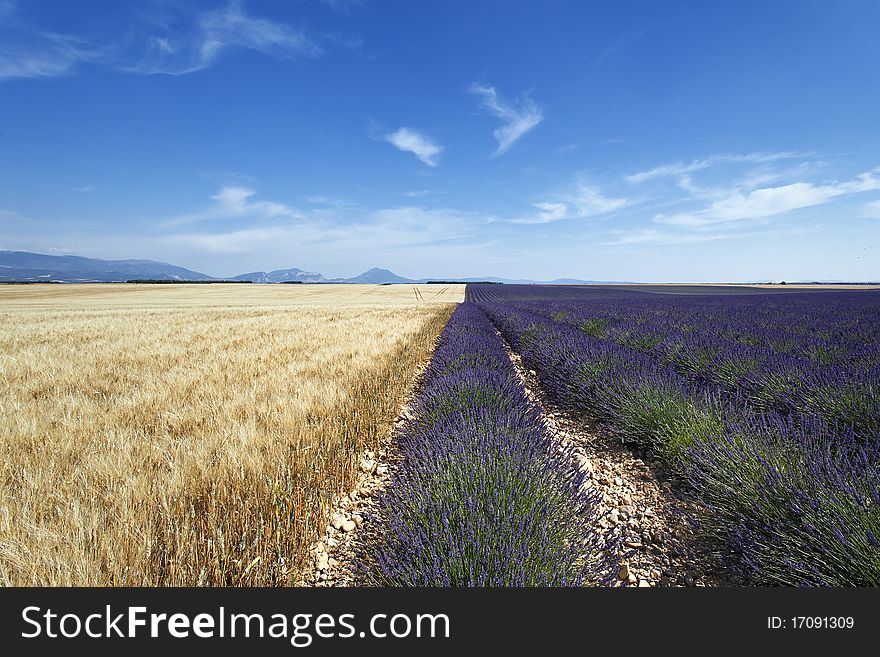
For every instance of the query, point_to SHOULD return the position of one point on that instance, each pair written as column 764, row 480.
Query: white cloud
column 590, row 202
column 245, row 240
column 674, row 169
column 46, row 55
column 411, row 141
column 178, row 42
column 871, row 210
column 769, row 202
column 164, row 45
column 518, row 118
column 235, row 203
column 189, row 50
column 763, row 177
column 547, row 213
column 677, row 169
column 230, row 26
column 582, row 202
column 347, row 230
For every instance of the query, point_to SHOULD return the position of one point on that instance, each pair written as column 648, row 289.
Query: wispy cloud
column 582, row 202
column 44, row 54
column 188, row 50
column 547, row 213
column 590, row 202
column 519, row 118
column 677, row 169
column 770, row 201
column 273, row 226
column 177, row 41
column 412, row 141
column 235, row 203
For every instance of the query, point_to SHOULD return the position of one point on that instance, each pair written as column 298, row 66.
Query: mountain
column 37, row 267
column 281, row 276
column 375, row 275
column 25, row 266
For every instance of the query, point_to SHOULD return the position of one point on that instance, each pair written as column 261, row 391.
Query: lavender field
column 482, row 497
column 764, row 406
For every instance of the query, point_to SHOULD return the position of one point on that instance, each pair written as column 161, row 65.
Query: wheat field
column 193, row 434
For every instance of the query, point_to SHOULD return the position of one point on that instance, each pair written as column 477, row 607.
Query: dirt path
column 640, row 505
column 332, row 555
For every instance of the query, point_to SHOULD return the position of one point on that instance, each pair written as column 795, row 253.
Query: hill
column 282, row 276
column 376, row 275
column 38, row 267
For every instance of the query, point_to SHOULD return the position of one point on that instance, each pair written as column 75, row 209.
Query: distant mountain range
column 23, row 266
column 36, row 267
column 281, row 276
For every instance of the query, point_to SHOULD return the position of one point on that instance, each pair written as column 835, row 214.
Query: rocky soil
column 643, row 515
column 643, row 512
column 333, row 552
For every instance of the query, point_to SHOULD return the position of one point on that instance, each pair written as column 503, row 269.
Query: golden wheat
column 192, row 435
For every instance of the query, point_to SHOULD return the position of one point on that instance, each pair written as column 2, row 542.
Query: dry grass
column 192, row 435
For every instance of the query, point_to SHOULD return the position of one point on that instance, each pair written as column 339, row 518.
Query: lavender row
column 784, row 500
column 808, row 354
column 482, row 496
column 790, row 503
column 644, row 401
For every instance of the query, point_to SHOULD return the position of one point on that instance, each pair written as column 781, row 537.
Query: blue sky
column 654, row 141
